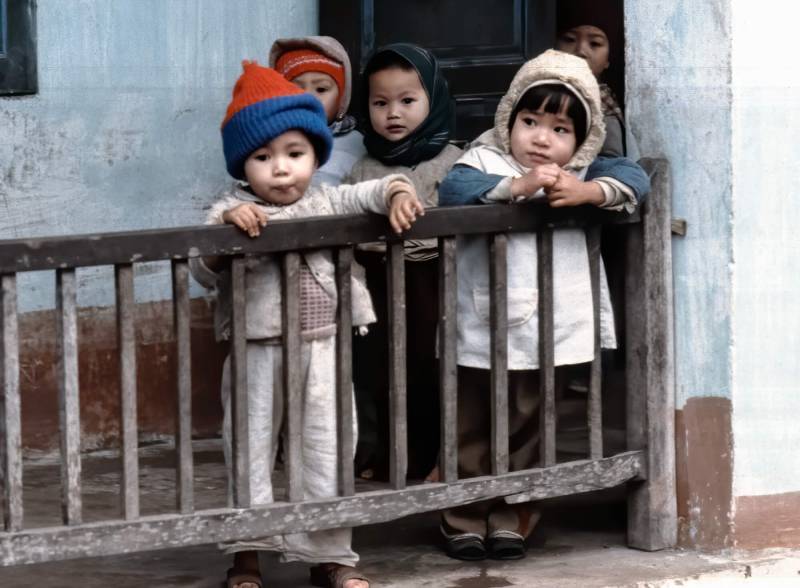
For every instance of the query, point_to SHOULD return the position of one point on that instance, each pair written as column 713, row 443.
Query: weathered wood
column 184, row 463
column 329, row 231
column 606, row 473
column 10, row 415
column 594, row 404
column 126, row 345
column 498, row 320
column 396, row 303
column 547, row 410
column 448, row 307
column 170, row 531
column 652, row 505
column 292, row 376
column 240, row 434
column 344, row 372
column 68, row 396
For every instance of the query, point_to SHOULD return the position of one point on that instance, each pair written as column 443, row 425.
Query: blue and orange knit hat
column 264, row 106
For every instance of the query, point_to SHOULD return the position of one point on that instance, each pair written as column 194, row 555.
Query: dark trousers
column 474, row 449
column 371, row 368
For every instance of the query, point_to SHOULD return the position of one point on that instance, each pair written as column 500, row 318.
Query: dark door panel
column 480, row 44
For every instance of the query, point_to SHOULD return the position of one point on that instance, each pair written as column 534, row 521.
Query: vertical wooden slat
column 126, row 339
column 184, row 465
column 11, row 417
column 448, row 304
column 68, row 396
column 498, row 316
column 547, row 430
column 398, row 435
column 635, row 350
column 239, row 401
column 344, row 372
column 594, row 408
column 652, row 505
column 292, row 376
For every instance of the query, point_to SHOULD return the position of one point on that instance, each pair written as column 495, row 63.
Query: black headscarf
column 427, row 140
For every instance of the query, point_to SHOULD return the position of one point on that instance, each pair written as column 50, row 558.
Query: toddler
column 548, row 130
column 593, row 30
column 320, row 66
column 274, row 138
column 410, row 119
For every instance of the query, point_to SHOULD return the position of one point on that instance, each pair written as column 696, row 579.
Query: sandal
column 331, row 575
column 237, row 577
column 506, row 545
column 465, row 546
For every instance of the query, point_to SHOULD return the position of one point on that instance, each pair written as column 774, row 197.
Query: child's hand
column 404, row 210
column 570, row 191
column 541, row 176
column 248, row 217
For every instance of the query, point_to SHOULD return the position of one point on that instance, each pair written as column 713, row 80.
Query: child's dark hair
column 386, row 60
column 555, row 98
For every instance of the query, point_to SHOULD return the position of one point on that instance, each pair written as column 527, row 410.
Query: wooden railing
column 647, row 466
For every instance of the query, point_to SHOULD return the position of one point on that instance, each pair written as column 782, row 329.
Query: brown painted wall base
column 704, row 473
column 99, row 375
column 767, row 521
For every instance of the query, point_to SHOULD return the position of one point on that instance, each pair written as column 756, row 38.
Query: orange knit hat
column 264, row 105
column 294, row 63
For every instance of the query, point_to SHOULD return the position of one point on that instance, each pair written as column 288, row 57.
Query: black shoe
column 506, row 545
column 465, row 546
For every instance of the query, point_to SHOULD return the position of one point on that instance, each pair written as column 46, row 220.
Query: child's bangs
column 554, row 99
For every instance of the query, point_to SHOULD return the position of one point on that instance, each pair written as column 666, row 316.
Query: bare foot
column 433, row 476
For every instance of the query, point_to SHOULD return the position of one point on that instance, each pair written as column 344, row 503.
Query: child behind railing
column 274, row 137
column 408, row 128
column 548, row 130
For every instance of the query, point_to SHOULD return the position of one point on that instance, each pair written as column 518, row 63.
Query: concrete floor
column 580, row 543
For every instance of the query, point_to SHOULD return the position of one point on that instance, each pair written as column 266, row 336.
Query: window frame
column 18, row 59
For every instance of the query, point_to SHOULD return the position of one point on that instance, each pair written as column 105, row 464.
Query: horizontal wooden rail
column 20, row 255
column 171, row 531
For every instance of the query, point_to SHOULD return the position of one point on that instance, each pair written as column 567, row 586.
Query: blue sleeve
column 466, row 185
column 623, row 170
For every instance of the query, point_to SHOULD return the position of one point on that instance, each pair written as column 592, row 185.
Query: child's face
column 280, row 171
column 323, row 88
column 398, row 103
column 588, row 42
column 539, row 137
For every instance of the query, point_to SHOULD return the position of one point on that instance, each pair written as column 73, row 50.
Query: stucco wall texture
column 124, row 132
column 679, row 107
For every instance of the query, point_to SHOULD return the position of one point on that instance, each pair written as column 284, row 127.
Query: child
column 548, row 129
column 321, row 67
column 411, row 117
column 274, row 137
column 592, row 30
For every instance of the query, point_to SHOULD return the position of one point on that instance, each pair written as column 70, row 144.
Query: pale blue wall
column 678, row 95
column 714, row 87
column 124, row 132
column 766, row 230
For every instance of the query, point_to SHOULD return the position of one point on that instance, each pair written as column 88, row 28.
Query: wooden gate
column 647, row 467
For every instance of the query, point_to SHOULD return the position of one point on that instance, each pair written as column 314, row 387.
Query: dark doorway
column 480, row 44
